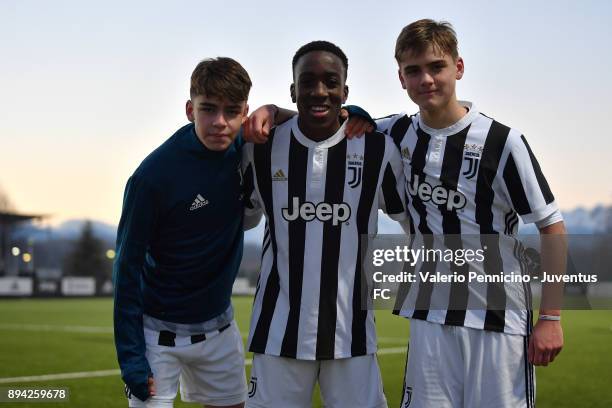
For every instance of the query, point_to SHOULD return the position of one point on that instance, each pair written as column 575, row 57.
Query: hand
column 356, row 126
column 545, row 343
column 257, row 127
column 140, row 389
column 151, row 386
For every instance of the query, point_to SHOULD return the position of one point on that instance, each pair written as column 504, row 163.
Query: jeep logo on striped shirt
column 308, row 211
column 439, row 195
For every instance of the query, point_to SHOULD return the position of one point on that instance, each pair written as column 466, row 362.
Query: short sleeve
column 394, row 126
column 527, row 188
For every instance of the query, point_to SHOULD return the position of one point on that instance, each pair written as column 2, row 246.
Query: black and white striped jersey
column 474, row 178
column 318, row 198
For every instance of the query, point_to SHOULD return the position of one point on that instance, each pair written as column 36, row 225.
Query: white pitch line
column 109, row 329
column 399, row 340
column 62, row 376
column 391, row 350
column 59, row 328
column 52, row 327
column 115, row 372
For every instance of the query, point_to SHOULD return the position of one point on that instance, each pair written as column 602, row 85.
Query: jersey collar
column 327, row 143
column 455, row 127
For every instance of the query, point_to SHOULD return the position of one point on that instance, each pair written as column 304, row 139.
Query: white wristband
column 550, row 317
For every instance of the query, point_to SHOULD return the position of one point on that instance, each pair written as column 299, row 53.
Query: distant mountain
column 598, row 219
column 73, row 228
column 581, row 221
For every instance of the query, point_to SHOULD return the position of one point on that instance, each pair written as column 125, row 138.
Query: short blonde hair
column 419, row 35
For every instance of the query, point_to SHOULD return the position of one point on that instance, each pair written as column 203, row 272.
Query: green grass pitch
column 39, row 337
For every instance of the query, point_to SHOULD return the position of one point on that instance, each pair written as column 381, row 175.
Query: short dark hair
column 419, row 35
column 220, row 77
column 321, row 46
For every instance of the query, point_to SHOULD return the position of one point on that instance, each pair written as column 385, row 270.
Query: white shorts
column 209, row 368
column 451, row 366
column 280, row 382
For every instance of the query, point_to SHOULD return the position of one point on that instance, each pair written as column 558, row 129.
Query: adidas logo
column 279, row 176
column 199, row 202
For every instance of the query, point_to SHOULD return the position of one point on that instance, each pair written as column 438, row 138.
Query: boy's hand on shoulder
column 257, row 127
column 359, row 121
column 356, row 126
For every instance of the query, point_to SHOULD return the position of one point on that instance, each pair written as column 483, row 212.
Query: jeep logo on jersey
column 438, row 195
column 308, row 211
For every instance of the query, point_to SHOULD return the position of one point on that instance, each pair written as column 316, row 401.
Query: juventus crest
column 472, row 153
column 355, row 169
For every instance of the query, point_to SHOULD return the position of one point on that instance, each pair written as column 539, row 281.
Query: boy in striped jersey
column 468, row 174
column 319, row 192
column 471, row 345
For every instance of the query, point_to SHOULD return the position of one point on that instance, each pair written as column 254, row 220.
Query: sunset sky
column 88, row 89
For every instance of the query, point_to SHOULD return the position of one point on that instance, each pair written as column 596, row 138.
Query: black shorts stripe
column 532, row 385
column 405, row 372
column 373, row 156
column 526, row 372
column 262, row 159
column 529, row 376
column 197, row 338
column 515, row 187
column 399, row 129
column 393, row 201
column 334, row 194
column 548, row 195
column 166, row 338
column 489, row 163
